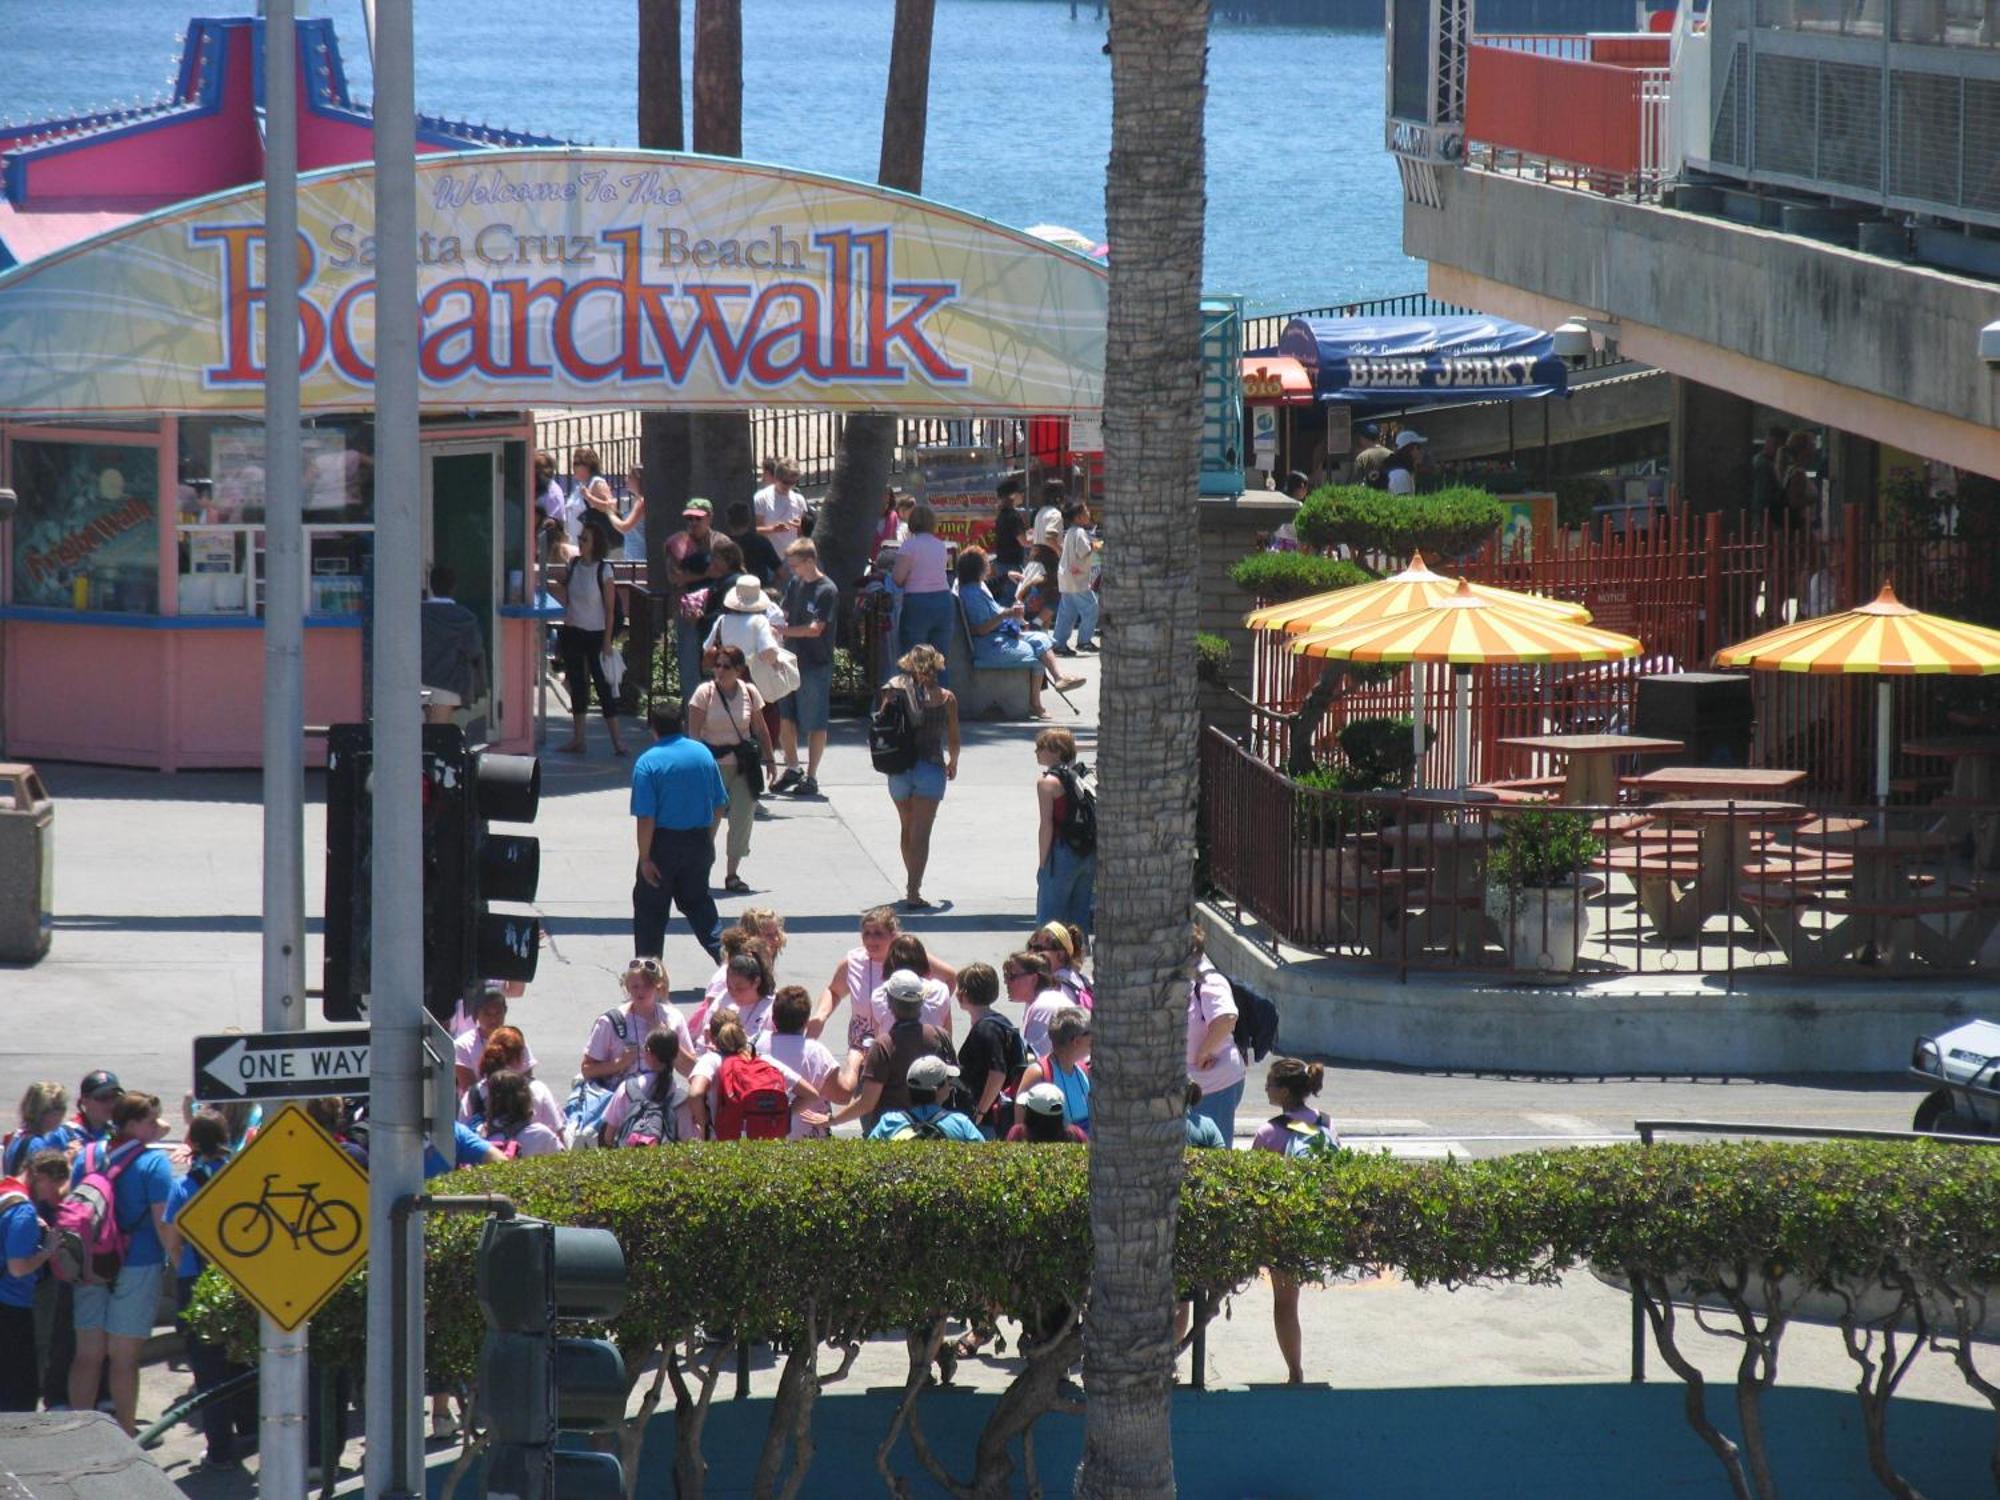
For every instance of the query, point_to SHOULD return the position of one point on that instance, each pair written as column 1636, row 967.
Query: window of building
column 87, row 533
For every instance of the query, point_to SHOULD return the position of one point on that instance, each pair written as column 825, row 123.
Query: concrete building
column 1792, row 206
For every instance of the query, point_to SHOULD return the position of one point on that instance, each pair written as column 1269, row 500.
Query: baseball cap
column 100, row 1084
column 903, row 985
column 931, row 1073
column 1410, row 436
column 1042, row 1099
column 698, row 507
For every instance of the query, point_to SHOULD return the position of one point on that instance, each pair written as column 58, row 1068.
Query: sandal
column 736, row 885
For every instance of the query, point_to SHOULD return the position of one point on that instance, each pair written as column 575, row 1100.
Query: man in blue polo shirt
column 677, row 793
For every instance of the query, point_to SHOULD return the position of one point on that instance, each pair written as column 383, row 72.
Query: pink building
column 131, row 577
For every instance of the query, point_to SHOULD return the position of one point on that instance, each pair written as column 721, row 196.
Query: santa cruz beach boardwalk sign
column 564, row 277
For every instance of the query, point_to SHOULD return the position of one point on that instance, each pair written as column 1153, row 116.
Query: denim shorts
column 924, row 779
column 810, row 705
column 126, row 1307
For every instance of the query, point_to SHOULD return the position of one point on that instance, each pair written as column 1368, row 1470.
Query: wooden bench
column 985, row 692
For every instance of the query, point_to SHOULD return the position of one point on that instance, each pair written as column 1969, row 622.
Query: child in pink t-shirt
column 1297, row 1130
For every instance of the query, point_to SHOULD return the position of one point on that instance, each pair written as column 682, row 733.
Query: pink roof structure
column 64, row 180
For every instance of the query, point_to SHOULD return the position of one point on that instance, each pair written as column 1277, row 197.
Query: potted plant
column 1535, row 887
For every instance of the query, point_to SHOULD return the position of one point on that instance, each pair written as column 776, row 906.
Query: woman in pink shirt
column 1212, row 1058
column 923, row 574
column 1296, row 1130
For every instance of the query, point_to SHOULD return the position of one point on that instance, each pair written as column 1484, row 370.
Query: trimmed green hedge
column 743, row 1234
column 1442, row 524
column 837, row 1241
column 1278, row 576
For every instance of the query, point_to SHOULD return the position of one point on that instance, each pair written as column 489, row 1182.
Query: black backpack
column 892, row 735
column 1256, row 1032
column 1078, row 828
column 920, row 1130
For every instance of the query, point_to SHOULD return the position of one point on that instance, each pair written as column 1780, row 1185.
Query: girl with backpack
column 755, row 1098
column 43, row 1106
column 589, row 596
column 222, row 1422
column 28, row 1199
column 507, row 1050
column 1062, row 945
column 511, row 1127
column 117, row 1212
column 1067, row 1066
column 651, row 1107
column 1066, row 840
column 1213, row 1059
column 1297, row 1130
column 930, row 712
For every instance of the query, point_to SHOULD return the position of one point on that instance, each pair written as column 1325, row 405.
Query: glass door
column 461, row 532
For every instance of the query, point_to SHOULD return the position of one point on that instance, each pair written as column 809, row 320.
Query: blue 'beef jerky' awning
column 1410, row 360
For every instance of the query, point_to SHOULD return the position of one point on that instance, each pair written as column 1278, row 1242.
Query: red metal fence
column 1724, row 889
column 1686, row 584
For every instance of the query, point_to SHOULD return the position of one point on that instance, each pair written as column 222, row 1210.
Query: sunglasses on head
column 650, row 967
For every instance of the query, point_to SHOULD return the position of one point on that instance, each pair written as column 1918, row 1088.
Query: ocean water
column 1303, row 203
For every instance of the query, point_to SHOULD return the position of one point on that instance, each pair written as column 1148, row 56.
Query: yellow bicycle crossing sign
column 286, row 1220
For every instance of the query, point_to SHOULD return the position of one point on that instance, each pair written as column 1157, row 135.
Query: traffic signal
column 466, row 868
column 534, row 1385
column 344, row 979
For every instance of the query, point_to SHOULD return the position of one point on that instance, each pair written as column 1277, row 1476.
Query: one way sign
column 281, row 1064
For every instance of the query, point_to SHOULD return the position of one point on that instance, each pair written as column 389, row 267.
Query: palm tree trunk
column 868, row 440
column 664, row 437
column 1154, row 199
column 721, row 465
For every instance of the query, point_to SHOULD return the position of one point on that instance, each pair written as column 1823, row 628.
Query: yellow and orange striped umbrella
column 1467, row 629
column 1399, row 593
column 1884, row 637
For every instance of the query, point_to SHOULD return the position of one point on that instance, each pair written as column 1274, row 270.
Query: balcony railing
column 1587, row 112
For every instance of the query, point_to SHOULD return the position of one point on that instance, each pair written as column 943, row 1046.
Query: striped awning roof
column 1399, row 593
column 1883, row 637
column 1466, row 629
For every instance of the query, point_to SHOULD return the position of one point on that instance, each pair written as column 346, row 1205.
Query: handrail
column 1647, row 1129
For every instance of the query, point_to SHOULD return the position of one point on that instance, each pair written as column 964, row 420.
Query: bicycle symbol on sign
column 329, row 1228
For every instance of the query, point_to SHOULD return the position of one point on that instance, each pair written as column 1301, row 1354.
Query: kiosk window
column 87, row 534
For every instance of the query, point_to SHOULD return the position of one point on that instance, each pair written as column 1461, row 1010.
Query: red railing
column 1603, row 116
column 1686, row 584
column 1732, row 889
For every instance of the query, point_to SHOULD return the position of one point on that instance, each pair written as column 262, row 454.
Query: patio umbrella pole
column 1419, row 696
column 1882, row 722
column 1461, row 714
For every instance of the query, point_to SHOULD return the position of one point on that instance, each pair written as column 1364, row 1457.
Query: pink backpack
column 93, row 1246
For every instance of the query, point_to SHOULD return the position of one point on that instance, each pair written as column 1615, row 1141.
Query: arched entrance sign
column 562, row 277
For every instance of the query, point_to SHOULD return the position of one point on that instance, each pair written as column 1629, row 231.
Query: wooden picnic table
column 1726, row 826
column 1444, row 882
column 1590, row 772
column 1972, row 756
column 1716, row 781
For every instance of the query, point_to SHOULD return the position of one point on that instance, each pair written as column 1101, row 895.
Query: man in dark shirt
column 812, row 615
column 1767, row 490
column 452, row 648
column 677, row 792
column 759, row 556
column 1010, row 552
column 885, row 1071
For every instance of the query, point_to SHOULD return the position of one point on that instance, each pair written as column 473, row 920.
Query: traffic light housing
column 466, row 868
column 534, row 1385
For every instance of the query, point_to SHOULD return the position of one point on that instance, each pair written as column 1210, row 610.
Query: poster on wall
column 960, row 484
column 337, row 480
column 1529, row 525
column 86, row 535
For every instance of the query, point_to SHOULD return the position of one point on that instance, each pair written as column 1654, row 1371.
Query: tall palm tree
column 1154, row 198
column 868, row 440
column 720, row 452
column 664, row 437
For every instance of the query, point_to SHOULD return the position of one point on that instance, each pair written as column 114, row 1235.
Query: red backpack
column 94, row 1243
column 752, row 1101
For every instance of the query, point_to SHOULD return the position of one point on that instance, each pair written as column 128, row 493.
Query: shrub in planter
column 1442, row 524
column 1278, row 576
column 1211, row 658
column 1534, row 889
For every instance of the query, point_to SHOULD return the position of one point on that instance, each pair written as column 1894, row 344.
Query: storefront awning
column 1410, row 361
column 1273, row 379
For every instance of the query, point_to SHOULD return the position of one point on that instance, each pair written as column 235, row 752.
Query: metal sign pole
column 396, row 1014
column 281, row 1378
